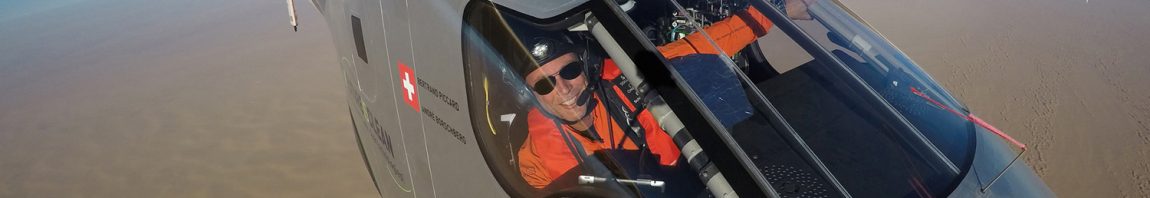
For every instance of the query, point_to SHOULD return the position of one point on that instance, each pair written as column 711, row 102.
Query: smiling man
column 575, row 122
column 580, row 111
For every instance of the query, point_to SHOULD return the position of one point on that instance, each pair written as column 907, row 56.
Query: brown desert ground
column 1069, row 78
column 139, row 98
column 213, row 98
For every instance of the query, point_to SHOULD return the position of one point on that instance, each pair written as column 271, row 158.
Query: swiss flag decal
column 407, row 82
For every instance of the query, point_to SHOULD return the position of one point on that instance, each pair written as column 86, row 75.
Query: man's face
column 561, row 100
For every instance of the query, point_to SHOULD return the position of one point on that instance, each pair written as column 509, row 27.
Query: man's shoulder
column 541, row 127
column 610, row 70
column 535, row 116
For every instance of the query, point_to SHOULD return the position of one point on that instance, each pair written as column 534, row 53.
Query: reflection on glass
column 847, row 140
column 869, row 150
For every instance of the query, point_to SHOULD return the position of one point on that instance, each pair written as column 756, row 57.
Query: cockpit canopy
column 540, row 9
column 822, row 107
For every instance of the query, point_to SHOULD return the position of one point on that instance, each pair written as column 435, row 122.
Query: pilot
column 578, row 114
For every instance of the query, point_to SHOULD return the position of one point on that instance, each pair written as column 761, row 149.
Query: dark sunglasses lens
column 572, row 70
column 543, row 86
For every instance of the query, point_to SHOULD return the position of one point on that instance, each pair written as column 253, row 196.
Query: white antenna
column 291, row 13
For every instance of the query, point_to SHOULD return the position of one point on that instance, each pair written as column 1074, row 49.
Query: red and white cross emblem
column 407, row 82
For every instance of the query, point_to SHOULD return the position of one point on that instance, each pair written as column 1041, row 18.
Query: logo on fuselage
column 407, row 82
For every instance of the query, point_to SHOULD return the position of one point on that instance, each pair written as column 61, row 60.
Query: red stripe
column 919, row 188
column 979, row 121
column 972, row 118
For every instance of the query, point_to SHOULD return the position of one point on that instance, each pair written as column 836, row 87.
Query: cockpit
column 704, row 98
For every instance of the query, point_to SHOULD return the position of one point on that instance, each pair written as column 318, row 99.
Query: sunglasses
column 569, row 72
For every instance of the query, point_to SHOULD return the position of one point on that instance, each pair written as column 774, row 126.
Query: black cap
column 522, row 45
column 541, row 45
column 545, row 49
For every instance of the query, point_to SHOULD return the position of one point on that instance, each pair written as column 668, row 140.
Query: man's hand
column 797, row 9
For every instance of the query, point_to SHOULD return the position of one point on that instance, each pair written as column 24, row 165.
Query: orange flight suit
column 545, row 155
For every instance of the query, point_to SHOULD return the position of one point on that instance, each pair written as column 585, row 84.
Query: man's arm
column 658, row 141
column 731, row 35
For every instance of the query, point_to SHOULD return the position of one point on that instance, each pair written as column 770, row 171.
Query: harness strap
column 572, row 144
column 620, row 113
